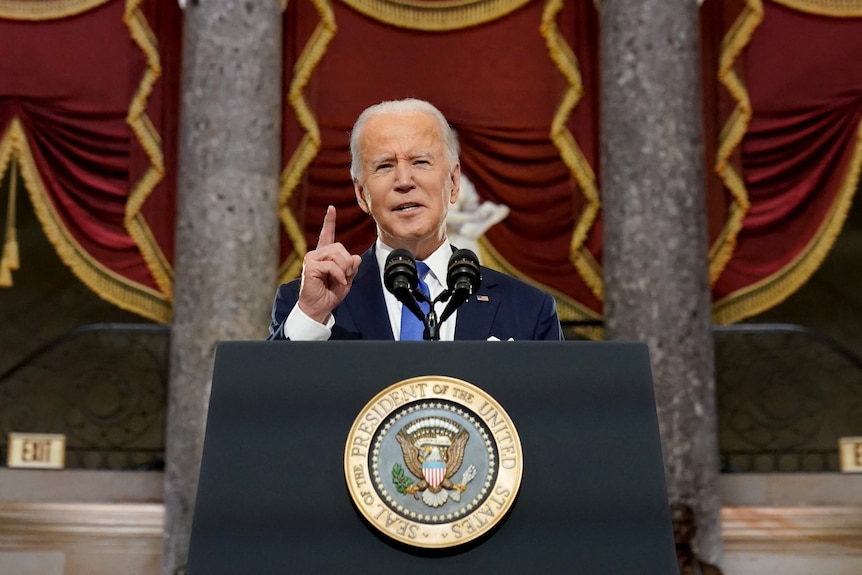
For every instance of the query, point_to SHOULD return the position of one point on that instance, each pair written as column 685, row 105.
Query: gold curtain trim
column 732, row 45
column 306, row 151
column 435, row 16
column 773, row 290
column 151, row 143
column 9, row 261
column 567, row 308
column 836, row 8
column 45, row 9
column 566, row 61
column 109, row 285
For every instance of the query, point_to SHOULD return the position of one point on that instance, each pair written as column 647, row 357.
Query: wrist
column 320, row 316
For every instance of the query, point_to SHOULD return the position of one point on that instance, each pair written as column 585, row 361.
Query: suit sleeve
column 286, row 297
column 548, row 324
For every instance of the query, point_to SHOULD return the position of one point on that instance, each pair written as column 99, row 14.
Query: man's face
column 405, row 182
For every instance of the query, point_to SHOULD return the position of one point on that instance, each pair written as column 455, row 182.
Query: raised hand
column 327, row 273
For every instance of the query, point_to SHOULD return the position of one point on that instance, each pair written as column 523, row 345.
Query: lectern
column 277, row 491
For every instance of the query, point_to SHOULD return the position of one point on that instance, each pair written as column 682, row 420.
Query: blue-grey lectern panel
column 272, row 496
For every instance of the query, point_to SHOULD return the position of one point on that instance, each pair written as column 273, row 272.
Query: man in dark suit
column 406, row 173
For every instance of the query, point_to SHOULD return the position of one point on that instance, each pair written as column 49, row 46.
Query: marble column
column 655, row 237
column 226, row 257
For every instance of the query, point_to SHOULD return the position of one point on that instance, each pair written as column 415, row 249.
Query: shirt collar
column 438, row 261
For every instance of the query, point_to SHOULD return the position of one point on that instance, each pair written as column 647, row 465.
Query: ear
column 360, row 197
column 456, row 183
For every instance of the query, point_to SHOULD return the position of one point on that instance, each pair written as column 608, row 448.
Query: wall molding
column 794, row 529
column 41, row 525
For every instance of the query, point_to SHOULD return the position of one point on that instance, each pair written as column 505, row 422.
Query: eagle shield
column 433, row 449
column 434, row 472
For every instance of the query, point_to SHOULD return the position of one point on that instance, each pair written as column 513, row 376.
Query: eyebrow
column 380, row 159
column 391, row 157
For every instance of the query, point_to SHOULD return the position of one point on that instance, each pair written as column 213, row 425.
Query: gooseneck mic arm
column 401, row 278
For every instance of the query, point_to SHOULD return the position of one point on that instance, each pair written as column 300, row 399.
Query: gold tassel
column 10, row 253
column 10, row 260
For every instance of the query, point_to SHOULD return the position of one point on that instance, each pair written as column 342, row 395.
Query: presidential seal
column 433, row 462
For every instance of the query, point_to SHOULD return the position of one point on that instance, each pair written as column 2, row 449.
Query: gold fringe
column 151, row 142
column 10, row 260
column 6, row 157
column 567, row 308
column 835, row 8
column 308, row 147
column 771, row 291
column 566, row 61
column 732, row 133
column 45, row 9
column 435, row 16
column 109, row 285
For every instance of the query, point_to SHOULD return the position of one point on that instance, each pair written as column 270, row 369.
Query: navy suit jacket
column 503, row 307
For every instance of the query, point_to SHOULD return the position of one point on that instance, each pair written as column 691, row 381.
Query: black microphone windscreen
column 464, row 272
column 399, row 272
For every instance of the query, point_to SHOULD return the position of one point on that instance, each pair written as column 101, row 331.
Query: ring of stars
column 393, row 499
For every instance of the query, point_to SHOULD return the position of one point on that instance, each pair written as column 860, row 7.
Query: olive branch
column 400, row 479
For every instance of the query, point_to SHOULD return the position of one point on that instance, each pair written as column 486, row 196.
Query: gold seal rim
column 470, row 525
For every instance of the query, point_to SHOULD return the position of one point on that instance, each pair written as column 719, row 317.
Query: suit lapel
column 365, row 302
column 476, row 315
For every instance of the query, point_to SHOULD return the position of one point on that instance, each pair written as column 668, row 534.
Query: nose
column 403, row 176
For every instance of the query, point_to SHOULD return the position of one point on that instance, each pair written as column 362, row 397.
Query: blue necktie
column 411, row 327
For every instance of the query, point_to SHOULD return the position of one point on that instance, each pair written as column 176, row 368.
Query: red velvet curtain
column 795, row 141
column 501, row 95
column 78, row 117
column 89, row 115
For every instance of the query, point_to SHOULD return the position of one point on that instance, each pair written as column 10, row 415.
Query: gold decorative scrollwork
column 45, row 9
column 435, row 16
column 835, row 8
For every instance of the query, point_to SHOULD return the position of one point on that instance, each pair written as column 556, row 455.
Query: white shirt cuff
column 300, row 327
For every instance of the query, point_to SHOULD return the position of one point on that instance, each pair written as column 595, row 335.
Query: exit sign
column 36, row 450
column 850, row 449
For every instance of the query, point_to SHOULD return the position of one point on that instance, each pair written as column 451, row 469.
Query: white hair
column 406, row 106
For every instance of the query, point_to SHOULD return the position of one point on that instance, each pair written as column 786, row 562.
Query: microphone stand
column 431, row 322
column 463, row 277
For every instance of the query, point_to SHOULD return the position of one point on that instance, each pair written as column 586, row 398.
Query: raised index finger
column 327, row 232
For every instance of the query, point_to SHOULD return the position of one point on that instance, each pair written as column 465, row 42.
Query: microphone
column 463, row 278
column 401, row 278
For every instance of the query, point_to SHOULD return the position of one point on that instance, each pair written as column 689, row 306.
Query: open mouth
column 407, row 207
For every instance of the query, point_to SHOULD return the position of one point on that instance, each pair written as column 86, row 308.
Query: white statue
column 468, row 220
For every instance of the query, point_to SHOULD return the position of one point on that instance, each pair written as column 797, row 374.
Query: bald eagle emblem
column 433, row 450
